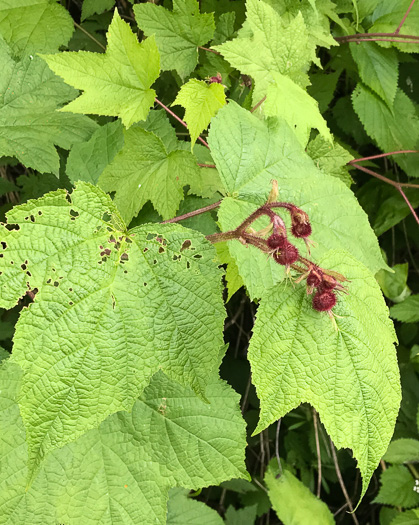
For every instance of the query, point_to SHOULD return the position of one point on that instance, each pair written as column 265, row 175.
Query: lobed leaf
column 112, row 308
column 407, row 311
column 115, row 83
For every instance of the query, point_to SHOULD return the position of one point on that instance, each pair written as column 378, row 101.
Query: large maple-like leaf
column 113, row 307
column 144, row 170
column 121, row 472
column 115, row 83
column 249, row 153
column 178, row 34
column 30, row 126
column 349, row 375
column 40, row 26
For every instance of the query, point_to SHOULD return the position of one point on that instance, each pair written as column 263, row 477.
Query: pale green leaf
column 34, row 26
column 92, row 7
column 87, row 161
column 201, row 102
column 293, row 502
column 121, row 472
column 402, row 451
column 406, row 311
column 113, row 307
column 178, row 33
column 392, row 129
column 250, row 153
column 274, row 45
column 349, row 375
column 244, row 516
column 286, row 100
column 158, row 123
column 397, row 488
column 378, row 69
column 394, row 283
column 30, row 126
column 116, row 83
column 144, row 171
column 182, row 510
column 330, row 158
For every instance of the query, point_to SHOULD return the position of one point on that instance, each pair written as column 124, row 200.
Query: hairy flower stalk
column 274, row 241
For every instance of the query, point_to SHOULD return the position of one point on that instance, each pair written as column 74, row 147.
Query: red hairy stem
column 384, row 179
column 381, row 155
column 157, row 101
column 403, row 20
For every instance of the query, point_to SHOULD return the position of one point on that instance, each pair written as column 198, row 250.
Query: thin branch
column 89, row 35
column 178, row 119
column 278, row 426
column 209, row 50
column 384, row 179
column 374, row 37
column 258, row 104
column 207, row 165
column 319, row 457
column 412, row 211
column 342, row 484
column 381, row 155
column 403, row 20
column 193, row 213
column 413, row 40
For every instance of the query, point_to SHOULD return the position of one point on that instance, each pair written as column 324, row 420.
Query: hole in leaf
column 29, row 274
column 32, row 218
column 49, row 280
column 39, row 212
column 154, row 262
column 176, row 257
column 71, row 303
column 124, row 257
column 70, row 289
column 74, row 213
column 23, row 266
column 188, row 264
column 145, row 250
column 145, row 284
column 197, row 256
column 185, row 245
column 161, row 249
column 56, row 283
column 11, row 227
column 3, row 245
column 106, row 217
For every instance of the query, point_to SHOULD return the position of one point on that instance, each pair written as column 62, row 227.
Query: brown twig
column 254, row 108
column 319, row 457
column 178, row 119
column 193, row 213
column 381, row 155
column 207, row 165
column 89, row 35
column 342, row 484
column 209, row 50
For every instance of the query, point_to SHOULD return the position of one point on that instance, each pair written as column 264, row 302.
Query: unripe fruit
column 328, row 282
column 288, row 255
column 324, row 301
column 301, row 229
column 314, row 279
column 276, row 241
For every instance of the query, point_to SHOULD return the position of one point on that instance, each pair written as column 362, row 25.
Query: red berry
column 288, row 255
column 324, row 301
column 314, row 279
column 276, row 241
column 301, row 229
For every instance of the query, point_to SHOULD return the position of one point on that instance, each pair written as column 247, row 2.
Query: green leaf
column 323, row 87
column 350, row 376
column 144, row 171
column 331, row 159
column 30, row 126
column 201, row 102
column 249, row 153
column 122, row 471
column 397, row 488
column 233, row 280
column 270, row 44
column 116, row 83
column 406, row 311
column 244, row 516
column 182, row 510
column 87, row 161
column 34, row 26
column 286, row 100
column 378, row 69
column 402, row 451
column 178, row 34
column 394, row 284
column 409, row 517
column 158, row 123
column 113, row 307
column 392, row 129
column 91, row 7
column 293, row 502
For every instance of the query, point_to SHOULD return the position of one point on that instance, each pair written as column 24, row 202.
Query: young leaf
column 30, row 126
column 293, row 502
column 274, row 45
column 201, row 102
column 392, row 129
column 406, row 311
column 91, row 7
column 116, row 83
column 35, row 26
column 331, row 159
column 182, row 510
column 143, row 170
column 350, row 376
column 178, row 34
column 287, row 100
column 113, row 307
column 402, row 451
column 378, row 69
column 122, row 471
column 397, row 488
column 250, row 153
column 87, row 161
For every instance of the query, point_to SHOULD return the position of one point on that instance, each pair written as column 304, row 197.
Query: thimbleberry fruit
column 324, row 301
column 314, row 279
column 328, row 282
column 276, row 241
column 301, row 229
column 288, row 255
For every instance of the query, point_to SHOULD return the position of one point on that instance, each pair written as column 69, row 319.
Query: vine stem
column 381, row 155
column 342, row 484
column 179, row 120
column 89, row 35
column 403, row 20
column 209, row 50
column 192, row 213
column 319, row 457
column 254, row 108
column 207, row 165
